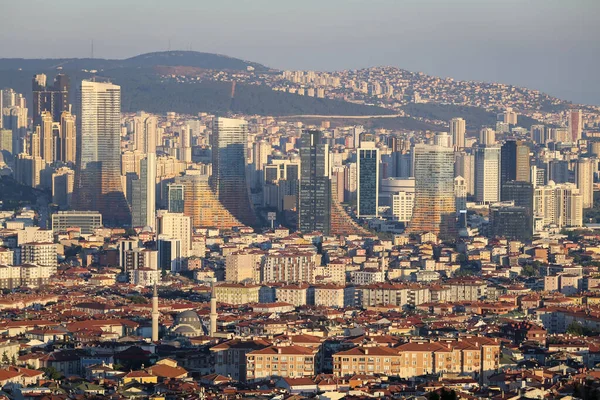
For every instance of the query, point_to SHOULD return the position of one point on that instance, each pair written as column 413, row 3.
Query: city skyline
column 190, row 225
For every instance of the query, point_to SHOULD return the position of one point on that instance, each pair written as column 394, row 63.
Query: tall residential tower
column 98, row 178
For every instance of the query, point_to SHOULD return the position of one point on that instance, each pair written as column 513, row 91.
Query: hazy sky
column 551, row 45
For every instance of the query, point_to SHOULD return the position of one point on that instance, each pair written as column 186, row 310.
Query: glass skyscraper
column 367, row 194
column 98, row 178
column 229, row 154
column 435, row 209
column 314, row 212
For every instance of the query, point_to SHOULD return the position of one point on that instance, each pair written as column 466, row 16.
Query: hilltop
column 148, row 60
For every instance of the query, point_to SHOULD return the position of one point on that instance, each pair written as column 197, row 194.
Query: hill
column 142, row 89
column 475, row 117
column 168, row 58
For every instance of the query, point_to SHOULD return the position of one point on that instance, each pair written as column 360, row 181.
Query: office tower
column 87, row 221
column 434, row 209
column 53, row 99
column 460, row 193
column 521, row 193
column 314, row 212
column 62, row 187
column 175, row 197
column 68, row 137
column 575, row 124
column 538, row 134
column 367, row 194
column 511, row 222
column 557, row 205
column 442, row 139
column 458, row 128
column 145, row 132
column 584, row 179
column 487, row 174
column 514, row 162
column 97, row 177
column 229, row 154
column 404, row 164
column 143, row 196
column 46, row 137
column 487, row 137
column 464, row 165
column 177, row 226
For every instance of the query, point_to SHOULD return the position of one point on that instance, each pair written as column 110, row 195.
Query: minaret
column 213, row 312
column 155, row 315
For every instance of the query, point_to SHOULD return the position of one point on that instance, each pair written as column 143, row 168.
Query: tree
column 529, row 270
column 434, row 396
column 52, row 373
column 13, row 360
column 5, row 360
column 448, row 395
column 576, row 329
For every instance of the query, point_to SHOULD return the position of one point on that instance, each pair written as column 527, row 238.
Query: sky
column 549, row 45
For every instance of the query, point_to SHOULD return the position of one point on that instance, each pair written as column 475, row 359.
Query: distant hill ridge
column 168, row 58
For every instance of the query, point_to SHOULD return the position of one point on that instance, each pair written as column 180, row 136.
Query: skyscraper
column 367, row 194
column 575, row 124
column 143, row 204
column 314, row 211
column 47, row 137
column 538, row 134
column 487, row 174
column 514, row 164
column 145, row 136
column 68, row 137
column 584, row 179
column 487, row 137
column 521, row 194
column 229, row 154
column 435, row 209
column 458, row 127
column 97, row 180
column 54, row 99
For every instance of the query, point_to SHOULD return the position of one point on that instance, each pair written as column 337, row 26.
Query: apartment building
column 336, row 296
column 39, row 253
column 236, row 293
column 29, row 275
column 477, row 357
column 280, row 361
